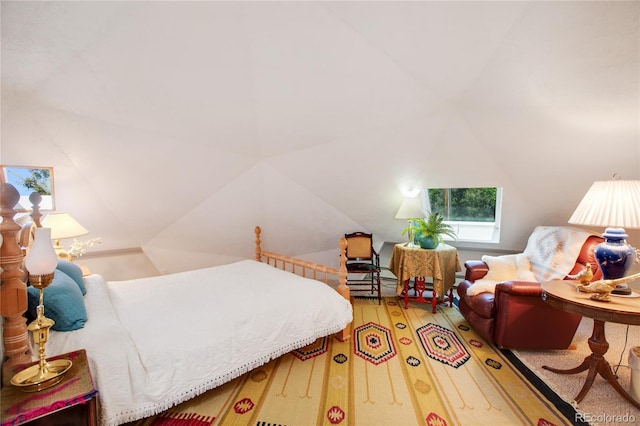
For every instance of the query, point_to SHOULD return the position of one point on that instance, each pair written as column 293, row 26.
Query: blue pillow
column 73, row 271
column 63, row 303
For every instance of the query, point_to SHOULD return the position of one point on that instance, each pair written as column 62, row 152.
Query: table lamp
column 63, row 226
column 614, row 204
column 410, row 209
column 41, row 262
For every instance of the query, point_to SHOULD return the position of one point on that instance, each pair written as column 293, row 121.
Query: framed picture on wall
column 29, row 179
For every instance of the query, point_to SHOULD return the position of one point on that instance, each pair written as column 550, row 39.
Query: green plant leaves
column 433, row 227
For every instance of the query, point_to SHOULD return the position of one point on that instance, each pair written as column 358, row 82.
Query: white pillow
column 510, row 267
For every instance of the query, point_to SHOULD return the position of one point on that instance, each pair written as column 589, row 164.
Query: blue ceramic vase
column 614, row 255
column 427, row 242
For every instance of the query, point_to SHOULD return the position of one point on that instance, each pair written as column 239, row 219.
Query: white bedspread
column 155, row 342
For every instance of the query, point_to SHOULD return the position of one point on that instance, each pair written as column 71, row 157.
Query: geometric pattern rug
column 443, row 345
column 400, row 367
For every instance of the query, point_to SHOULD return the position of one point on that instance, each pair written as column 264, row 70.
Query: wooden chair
column 362, row 259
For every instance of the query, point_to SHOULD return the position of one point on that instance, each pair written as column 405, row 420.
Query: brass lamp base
column 33, row 379
column 61, row 252
column 45, row 373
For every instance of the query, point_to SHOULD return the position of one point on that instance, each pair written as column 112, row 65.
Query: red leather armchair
column 516, row 317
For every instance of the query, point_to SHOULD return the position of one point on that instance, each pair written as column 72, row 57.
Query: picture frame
column 29, row 179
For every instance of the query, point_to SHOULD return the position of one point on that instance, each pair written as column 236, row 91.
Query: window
column 474, row 213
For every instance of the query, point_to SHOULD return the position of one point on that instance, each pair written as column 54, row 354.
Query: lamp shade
column 410, row 209
column 612, row 203
column 63, row 226
column 42, row 258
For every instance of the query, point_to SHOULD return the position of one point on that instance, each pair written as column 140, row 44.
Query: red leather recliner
column 516, row 317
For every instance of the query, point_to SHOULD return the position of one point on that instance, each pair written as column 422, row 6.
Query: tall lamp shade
column 614, row 204
column 410, row 209
column 63, row 226
column 41, row 258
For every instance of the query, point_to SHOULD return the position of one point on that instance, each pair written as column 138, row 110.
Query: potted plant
column 428, row 233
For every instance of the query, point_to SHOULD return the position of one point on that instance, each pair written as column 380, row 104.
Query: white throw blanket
column 553, row 250
column 155, row 342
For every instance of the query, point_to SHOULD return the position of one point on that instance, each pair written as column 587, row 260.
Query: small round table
column 441, row 263
column 565, row 295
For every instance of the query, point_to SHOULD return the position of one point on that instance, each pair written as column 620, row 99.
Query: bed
column 152, row 344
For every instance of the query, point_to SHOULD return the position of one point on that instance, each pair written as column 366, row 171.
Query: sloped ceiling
column 178, row 126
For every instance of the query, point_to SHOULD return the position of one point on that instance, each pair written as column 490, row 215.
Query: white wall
column 177, row 127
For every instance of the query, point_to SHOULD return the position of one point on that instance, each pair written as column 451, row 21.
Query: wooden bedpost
column 258, row 248
column 13, row 291
column 36, row 199
column 343, row 289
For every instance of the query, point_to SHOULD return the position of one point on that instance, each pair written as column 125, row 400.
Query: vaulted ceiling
column 178, row 126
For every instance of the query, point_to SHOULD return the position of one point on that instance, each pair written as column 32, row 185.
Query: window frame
column 472, row 231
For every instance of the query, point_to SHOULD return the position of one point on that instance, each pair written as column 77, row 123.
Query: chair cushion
column 354, row 267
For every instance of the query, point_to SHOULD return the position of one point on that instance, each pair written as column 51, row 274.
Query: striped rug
column 401, row 367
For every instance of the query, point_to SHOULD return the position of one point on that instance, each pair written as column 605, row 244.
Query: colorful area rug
column 401, row 367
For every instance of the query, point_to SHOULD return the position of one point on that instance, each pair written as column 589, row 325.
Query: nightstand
column 73, row 401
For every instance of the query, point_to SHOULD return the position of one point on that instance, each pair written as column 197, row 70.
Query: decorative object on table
column 614, row 204
column 41, row 263
column 583, row 277
column 428, row 233
column 410, row 210
column 78, row 248
column 63, row 226
column 26, row 180
column 602, row 289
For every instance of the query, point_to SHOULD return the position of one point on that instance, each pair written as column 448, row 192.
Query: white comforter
column 155, row 342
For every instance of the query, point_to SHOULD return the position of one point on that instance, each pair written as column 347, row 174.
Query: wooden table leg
column 434, row 300
column 596, row 364
column 93, row 412
column 419, row 288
